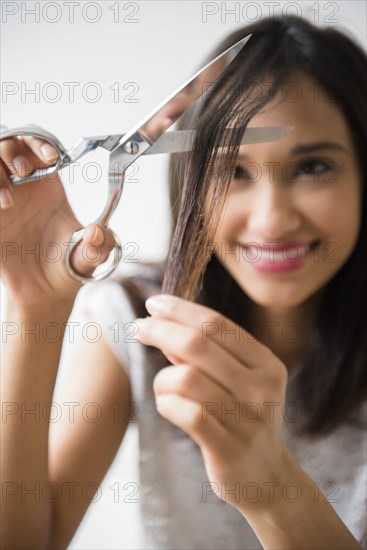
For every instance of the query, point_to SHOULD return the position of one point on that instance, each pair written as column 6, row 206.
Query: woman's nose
column 273, row 214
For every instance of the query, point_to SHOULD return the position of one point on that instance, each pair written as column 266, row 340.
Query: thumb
column 93, row 250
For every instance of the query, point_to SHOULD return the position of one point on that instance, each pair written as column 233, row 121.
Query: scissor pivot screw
column 132, row 147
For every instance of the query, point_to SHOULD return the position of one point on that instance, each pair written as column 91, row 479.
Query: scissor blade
column 151, row 128
column 166, row 114
column 182, row 141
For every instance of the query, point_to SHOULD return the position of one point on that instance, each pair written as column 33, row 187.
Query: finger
column 6, row 194
column 190, row 382
column 16, row 157
column 93, row 250
column 186, row 344
column 212, row 326
column 187, row 415
column 41, row 149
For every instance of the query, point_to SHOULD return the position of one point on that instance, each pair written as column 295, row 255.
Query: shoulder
column 107, row 309
column 113, row 304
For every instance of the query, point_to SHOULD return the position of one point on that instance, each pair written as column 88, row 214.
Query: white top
column 178, row 510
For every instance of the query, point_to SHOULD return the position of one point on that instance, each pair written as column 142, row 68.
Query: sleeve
column 103, row 310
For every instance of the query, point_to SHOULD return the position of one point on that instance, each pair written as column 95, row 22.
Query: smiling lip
column 278, row 258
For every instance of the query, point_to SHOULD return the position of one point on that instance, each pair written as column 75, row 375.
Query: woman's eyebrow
column 312, row 147
column 309, row 148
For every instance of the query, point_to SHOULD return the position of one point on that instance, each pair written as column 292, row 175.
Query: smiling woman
column 303, row 202
column 302, row 198
column 272, row 236
column 262, row 319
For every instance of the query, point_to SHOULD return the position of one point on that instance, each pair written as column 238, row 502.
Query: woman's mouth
column 277, row 258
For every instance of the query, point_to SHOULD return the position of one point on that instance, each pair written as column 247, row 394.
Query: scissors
column 148, row 137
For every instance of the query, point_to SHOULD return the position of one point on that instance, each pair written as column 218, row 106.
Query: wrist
column 48, row 311
column 302, row 518
column 279, row 495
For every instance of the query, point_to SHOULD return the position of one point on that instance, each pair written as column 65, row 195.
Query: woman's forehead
column 299, row 88
column 303, row 103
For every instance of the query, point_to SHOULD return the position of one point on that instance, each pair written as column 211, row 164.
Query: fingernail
column 156, row 304
column 98, row 237
column 139, row 321
column 142, row 323
column 94, row 234
column 6, row 199
column 22, row 166
column 48, row 152
column 162, row 401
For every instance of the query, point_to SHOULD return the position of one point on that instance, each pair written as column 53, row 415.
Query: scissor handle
column 76, row 238
column 34, row 131
column 115, row 188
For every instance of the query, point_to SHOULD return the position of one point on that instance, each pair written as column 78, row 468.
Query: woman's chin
column 275, row 295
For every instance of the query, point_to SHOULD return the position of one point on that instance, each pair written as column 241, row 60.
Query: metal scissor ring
column 76, row 238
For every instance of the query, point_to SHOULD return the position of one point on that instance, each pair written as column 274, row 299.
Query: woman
column 268, row 360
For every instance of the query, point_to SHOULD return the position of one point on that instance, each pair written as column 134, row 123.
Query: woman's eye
column 241, row 174
column 314, row 168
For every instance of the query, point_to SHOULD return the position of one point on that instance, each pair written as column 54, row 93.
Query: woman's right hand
column 36, row 224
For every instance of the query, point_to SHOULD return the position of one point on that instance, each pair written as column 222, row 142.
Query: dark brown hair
column 332, row 379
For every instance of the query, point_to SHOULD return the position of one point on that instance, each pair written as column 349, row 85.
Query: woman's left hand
column 227, row 391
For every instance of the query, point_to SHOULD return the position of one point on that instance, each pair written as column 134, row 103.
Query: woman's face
column 292, row 216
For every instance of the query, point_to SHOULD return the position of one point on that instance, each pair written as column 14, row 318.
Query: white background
column 149, row 48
